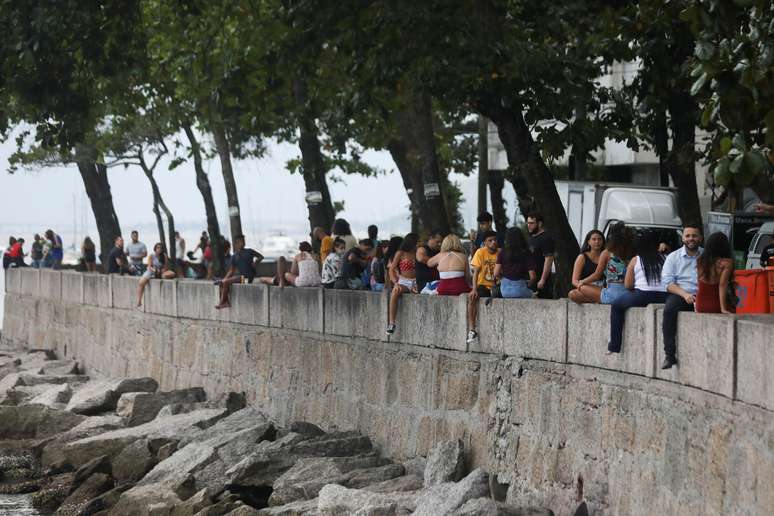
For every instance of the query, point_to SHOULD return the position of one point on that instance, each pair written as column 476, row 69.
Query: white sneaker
column 390, row 329
column 472, row 336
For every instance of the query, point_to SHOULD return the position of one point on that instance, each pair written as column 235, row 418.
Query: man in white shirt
column 137, row 251
column 679, row 276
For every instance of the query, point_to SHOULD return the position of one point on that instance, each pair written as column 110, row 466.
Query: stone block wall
column 535, row 400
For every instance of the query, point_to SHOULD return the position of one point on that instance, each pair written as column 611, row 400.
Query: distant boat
column 278, row 244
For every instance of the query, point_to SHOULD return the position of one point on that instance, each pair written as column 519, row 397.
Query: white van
column 763, row 238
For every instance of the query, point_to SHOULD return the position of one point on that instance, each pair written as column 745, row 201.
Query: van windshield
column 670, row 236
column 763, row 242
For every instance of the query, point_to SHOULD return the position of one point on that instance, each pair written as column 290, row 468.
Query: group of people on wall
column 46, row 252
column 627, row 268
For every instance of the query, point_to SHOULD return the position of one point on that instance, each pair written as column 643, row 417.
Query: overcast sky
column 270, row 197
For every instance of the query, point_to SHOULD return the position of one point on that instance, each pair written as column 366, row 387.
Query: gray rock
column 102, row 395
column 509, row 510
column 443, row 499
column 141, row 407
column 58, row 367
column 478, row 507
column 154, row 499
column 15, row 461
column 21, row 394
column 299, row 508
column 166, row 451
column 232, row 402
column 30, row 379
column 105, row 501
column 35, row 422
column 445, row 463
column 100, row 464
column 264, row 466
column 55, row 397
column 102, row 423
column 233, row 422
column 94, row 486
column 193, row 505
column 304, row 428
column 244, row 510
column 404, row 483
column 133, row 462
column 337, row 500
column 111, row 443
column 360, row 478
column 415, row 466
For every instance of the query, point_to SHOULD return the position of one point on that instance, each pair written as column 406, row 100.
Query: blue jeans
column 37, row 264
column 618, row 312
column 612, row 292
column 514, row 289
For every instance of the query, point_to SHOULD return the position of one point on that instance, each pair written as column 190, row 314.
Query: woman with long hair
column 585, row 265
column 515, row 266
column 342, row 230
column 403, row 273
column 453, row 269
column 714, row 271
column 643, row 279
column 393, row 246
column 157, row 267
column 89, row 254
column 612, row 266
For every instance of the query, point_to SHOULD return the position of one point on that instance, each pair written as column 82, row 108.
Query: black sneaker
column 390, row 329
column 472, row 336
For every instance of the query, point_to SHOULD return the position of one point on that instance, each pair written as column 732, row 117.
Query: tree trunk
column 95, row 180
column 524, row 158
column 203, row 184
column 398, row 153
column 224, row 151
column 415, row 130
column 681, row 163
column 158, row 202
column 496, row 183
column 318, row 197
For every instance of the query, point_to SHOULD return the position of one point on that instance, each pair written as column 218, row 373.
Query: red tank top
column 708, row 298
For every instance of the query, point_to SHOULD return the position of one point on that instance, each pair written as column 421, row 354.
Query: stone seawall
column 535, row 400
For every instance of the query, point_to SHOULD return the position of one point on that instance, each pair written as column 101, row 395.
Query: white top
column 451, row 274
column 308, row 272
column 641, row 281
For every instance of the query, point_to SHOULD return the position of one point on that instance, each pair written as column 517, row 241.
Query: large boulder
column 141, row 407
column 55, row 397
column 265, row 465
column 304, row 480
column 300, row 508
column 335, row 500
column 21, row 394
column 30, row 379
column 91, row 488
column 444, row 499
column 445, row 463
column 102, row 396
column 35, row 422
column 404, row 483
column 478, row 507
column 367, row 476
column 110, row 443
column 133, row 462
column 58, row 367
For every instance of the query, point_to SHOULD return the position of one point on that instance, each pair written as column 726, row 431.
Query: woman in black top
column 89, row 254
column 586, row 264
column 515, row 266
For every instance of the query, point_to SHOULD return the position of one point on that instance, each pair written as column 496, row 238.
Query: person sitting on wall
column 715, row 271
column 353, row 263
column 137, row 252
column 679, row 275
column 116, row 263
column 304, row 269
column 453, row 269
column 331, row 267
column 644, row 276
column 612, row 266
column 515, row 266
column 157, row 266
column 427, row 276
column 483, row 262
column 585, row 265
column 403, row 276
column 241, row 269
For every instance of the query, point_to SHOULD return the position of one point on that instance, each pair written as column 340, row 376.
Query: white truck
column 591, row 205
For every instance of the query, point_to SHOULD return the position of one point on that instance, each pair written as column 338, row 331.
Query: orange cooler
column 770, row 270
column 752, row 289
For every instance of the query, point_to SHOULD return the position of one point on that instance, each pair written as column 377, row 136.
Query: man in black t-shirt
column 117, row 259
column 241, row 267
column 352, row 265
column 426, row 251
column 542, row 246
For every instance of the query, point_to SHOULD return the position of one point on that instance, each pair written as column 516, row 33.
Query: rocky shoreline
column 96, row 446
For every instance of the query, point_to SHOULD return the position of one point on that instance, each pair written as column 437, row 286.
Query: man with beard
column 678, row 274
column 542, row 246
column 425, row 274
